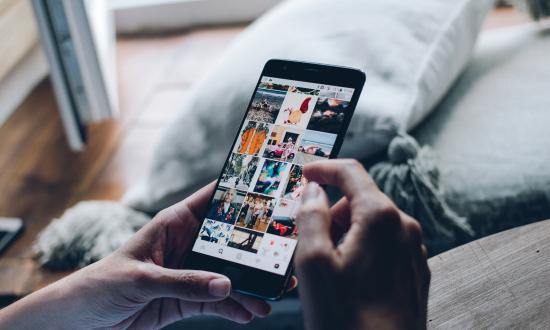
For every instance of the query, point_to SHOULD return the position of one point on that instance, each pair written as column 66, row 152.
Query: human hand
column 141, row 285
column 377, row 277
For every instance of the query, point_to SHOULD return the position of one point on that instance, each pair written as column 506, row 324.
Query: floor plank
column 499, row 282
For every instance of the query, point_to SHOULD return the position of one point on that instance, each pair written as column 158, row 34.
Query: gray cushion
column 492, row 131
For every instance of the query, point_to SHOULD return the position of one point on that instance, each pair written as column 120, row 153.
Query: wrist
column 43, row 309
column 57, row 306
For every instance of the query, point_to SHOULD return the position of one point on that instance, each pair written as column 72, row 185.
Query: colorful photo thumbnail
column 270, row 177
column 296, row 110
column 226, row 205
column 215, row 232
column 239, row 171
column 252, row 138
column 256, row 212
column 295, row 184
column 246, row 240
column 328, row 115
column 283, row 221
column 267, row 103
column 282, row 143
column 315, row 146
column 304, row 90
column 274, row 86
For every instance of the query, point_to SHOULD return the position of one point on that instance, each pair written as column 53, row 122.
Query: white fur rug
column 86, row 233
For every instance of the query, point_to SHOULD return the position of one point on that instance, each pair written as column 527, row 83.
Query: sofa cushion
column 492, row 131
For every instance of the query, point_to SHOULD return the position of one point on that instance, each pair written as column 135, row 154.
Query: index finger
column 372, row 213
column 347, row 174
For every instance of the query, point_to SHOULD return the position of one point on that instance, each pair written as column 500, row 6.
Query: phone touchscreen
column 251, row 217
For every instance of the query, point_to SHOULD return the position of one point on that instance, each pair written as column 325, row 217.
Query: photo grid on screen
column 251, row 219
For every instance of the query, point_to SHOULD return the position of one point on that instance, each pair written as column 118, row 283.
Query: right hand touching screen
column 378, row 276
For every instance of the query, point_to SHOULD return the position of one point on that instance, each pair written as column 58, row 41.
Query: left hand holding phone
column 140, row 285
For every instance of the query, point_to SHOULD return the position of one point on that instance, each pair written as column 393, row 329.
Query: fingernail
column 312, row 191
column 219, row 287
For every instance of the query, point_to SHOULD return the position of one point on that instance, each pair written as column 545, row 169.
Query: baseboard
column 21, row 80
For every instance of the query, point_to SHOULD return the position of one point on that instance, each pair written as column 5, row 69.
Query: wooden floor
column 497, row 282
column 40, row 177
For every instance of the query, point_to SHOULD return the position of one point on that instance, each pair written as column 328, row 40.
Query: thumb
column 190, row 285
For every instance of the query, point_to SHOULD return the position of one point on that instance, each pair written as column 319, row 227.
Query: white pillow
column 412, row 52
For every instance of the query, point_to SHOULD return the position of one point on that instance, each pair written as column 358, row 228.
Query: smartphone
column 299, row 113
column 10, row 228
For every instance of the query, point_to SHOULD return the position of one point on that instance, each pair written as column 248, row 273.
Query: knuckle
column 188, row 279
column 194, row 286
column 140, row 274
column 387, row 210
column 428, row 279
column 385, row 216
column 181, row 215
column 164, row 215
column 424, row 252
column 172, row 216
column 352, row 166
column 427, row 273
column 413, row 229
column 186, row 283
column 310, row 210
column 352, row 163
column 313, row 257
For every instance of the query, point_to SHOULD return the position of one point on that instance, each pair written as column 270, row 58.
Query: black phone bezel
column 254, row 281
